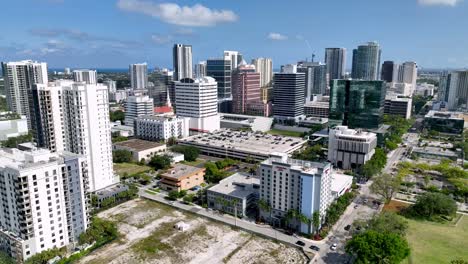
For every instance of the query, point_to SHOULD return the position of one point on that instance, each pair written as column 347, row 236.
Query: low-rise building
column 350, row 148
column 175, row 157
column 182, row 177
column 289, row 184
column 140, row 149
column 161, row 128
column 435, row 153
column 121, row 130
column 398, row 105
column 317, row 108
column 253, row 123
column 444, row 122
column 12, row 125
column 341, row 184
column 235, row 194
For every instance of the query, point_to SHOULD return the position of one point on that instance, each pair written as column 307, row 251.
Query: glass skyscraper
column 220, row 69
column 357, row 103
column 366, row 62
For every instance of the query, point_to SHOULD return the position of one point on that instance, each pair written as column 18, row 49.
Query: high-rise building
column 335, row 59
column 111, row 85
column 200, row 69
column 19, row 79
column 198, row 100
column 288, row 184
column 357, row 103
column 87, row 76
column 44, row 200
column 444, row 86
column 409, row 74
column 390, row 72
column 74, row 117
column 265, row 67
column 162, row 85
column 289, row 94
column 246, row 92
column 220, row 70
column 457, row 92
column 366, row 62
column 136, row 106
column 234, row 56
column 138, row 76
column 316, row 78
column 67, row 71
column 182, row 59
column 350, row 148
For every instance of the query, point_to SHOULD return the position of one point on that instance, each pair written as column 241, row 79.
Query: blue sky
column 115, row 33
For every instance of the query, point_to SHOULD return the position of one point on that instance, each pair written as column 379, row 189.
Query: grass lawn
column 129, row 168
column 278, row 132
column 196, row 163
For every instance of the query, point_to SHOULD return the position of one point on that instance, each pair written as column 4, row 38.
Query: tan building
column 182, row 177
column 140, row 149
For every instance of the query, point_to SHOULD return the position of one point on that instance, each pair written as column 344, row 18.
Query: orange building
column 182, row 177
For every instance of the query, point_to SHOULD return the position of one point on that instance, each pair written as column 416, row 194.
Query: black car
column 300, row 243
column 347, row 227
column 314, row 248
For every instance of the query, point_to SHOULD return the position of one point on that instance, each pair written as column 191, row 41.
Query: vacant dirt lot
column 148, row 236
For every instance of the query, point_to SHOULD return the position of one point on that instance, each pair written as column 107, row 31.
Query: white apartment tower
column 265, row 67
column 43, row 200
column 408, row 73
column 20, row 77
column 137, row 106
column 74, row 117
column 138, row 76
column 350, row 148
column 198, row 100
column 182, row 59
column 87, row 76
column 234, row 56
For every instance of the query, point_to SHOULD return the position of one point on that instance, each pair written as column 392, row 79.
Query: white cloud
column 439, row 2
column 197, row 15
column 161, row 39
column 277, row 36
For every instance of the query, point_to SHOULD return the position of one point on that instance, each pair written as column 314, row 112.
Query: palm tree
column 290, row 214
column 316, row 221
column 263, row 206
column 304, row 219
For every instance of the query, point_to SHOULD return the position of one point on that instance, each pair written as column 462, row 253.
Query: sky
column 116, row 33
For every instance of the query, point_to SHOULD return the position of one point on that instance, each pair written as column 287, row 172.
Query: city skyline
column 120, row 32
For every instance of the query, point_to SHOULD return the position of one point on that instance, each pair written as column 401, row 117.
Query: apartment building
column 161, row 128
column 182, row 177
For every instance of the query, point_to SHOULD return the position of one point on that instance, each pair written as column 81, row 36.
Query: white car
column 333, row 247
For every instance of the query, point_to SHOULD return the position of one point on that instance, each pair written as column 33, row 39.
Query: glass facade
column 220, row 69
column 356, row 103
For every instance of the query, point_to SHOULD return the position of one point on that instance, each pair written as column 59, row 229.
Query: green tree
column 118, row 138
column 379, row 248
column 160, row 162
column 117, row 116
column 189, row 198
column 263, row 206
column 173, row 195
column 430, row 206
column 44, row 256
column 121, row 155
column 4, row 257
column 375, row 164
column 3, row 104
column 388, row 222
column 316, row 221
column 190, row 153
column 386, row 186
column 99, row 231
column 145, row 179
column 13, row 142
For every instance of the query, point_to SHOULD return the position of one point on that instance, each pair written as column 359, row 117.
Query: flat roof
column 246, row 141
column 180, row 171
column 138, row 144
column 239, row 185
column 340, row 181
column 445, row 115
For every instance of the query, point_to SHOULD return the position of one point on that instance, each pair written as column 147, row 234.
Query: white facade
column 404, row 89
column 350, row 148
column 12, row 127
column 295, row 184
column 138, row 106
column 111, row 86
column 19, row 78
column 409, row 74
column 139, row 76
column 87, row 76
column 118, row 96
column 182, row 59
column 265, row 67
column 234, row 57
column 44, row 200
column 200, row 69
column 398, row 105
column 197, row 99
column 74, row 117
column 161, row 128
column 341, row 183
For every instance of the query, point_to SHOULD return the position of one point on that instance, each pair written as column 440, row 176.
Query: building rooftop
column 20, row 159
column 435, row 151
column 445, row 115
column 343, row 132
column 180, row 171
column 138, row 144
column 246, row 141
column 307, row 167
column 158, row 118
column 238, row 185
column 340, row 181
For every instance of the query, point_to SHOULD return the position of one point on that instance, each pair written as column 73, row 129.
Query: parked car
column 289, row 232
column 356, row 206
column 300, row 243
column 333, row 247
column 347, row 227
column 315, row 248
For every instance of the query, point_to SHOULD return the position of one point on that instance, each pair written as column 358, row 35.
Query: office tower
column 357, row 103
column 335, row 59
column 316, row 78
column 198, row 100
column 246, row 94
column 136, row 106
column 182, row 58
column 366, row 62
column 220, row 70
column 288, row 93
column 444, row 86
column 200, row 69
column 74, row 117
column 161, row 128
column 87, row 76
column 457, row 90
column 390, row 72
column 138, row 76
column 19, row 79
column 265, row 67
column 162, row 85
column 44, row 200
column 398, row 105
column 288, row 184
column 111, row 85
column 409, row 74
column 350, row 148
column 234, row 56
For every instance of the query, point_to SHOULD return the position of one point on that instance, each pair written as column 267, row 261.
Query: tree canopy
column 388, row 222
column 386, row 186
column 117, row 116
column 160, row 162
column 375, row 164
column 431, row 206
column 190, row 153
column 121, row 155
